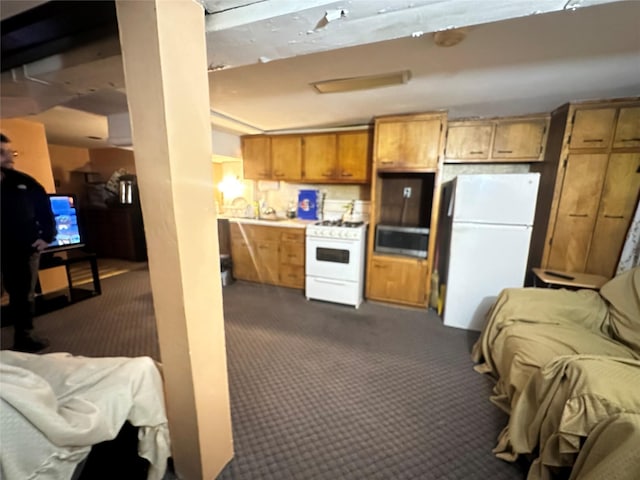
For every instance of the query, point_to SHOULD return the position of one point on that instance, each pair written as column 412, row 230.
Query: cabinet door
column 267, row 261
column 320, row 161
column 409, row 143
column 577, row 211
column 286, row 157
column 469, row 142
column 628, row 128
column 519, row 140
column 397, row 280
column 617, row 207
column 244, row 268
column 592, row 128
column 354, row 156
column 256, row 157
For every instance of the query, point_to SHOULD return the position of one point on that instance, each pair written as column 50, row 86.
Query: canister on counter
column 308, row 204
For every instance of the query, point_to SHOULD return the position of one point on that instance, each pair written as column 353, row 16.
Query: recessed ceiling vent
column 362, row 83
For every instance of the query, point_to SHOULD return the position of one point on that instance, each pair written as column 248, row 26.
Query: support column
column 164, row 55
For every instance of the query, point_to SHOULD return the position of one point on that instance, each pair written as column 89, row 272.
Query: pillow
column 623, row 295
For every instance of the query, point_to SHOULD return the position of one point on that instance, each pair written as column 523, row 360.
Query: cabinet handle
column 478, row 152
column 613, row 216
column 578, row 215
column 634, row 139
column 346, row 174
column 278, row 174
column 593, row 140
column 387, row 162
column 327, row 174
column 505, row 151
column 291, row 255
column 382, row 267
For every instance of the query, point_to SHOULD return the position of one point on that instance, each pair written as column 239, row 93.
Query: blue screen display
column 64, row 211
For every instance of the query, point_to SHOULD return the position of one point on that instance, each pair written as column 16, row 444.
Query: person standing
column 28, row 226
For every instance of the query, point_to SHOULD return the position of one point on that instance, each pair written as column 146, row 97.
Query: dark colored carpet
column 320, row 391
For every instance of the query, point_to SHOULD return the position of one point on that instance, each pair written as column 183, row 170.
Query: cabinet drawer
column 293, row 235
column 265, row 234
column 292, row 254
column 292, row 276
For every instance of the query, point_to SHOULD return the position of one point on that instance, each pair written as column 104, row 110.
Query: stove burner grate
column 339, row 223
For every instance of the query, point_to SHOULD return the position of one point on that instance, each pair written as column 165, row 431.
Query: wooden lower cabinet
column 268, row 254
column 397, row 280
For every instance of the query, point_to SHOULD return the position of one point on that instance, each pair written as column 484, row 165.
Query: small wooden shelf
column 577, row 280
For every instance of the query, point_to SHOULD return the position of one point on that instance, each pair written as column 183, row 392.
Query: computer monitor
column 65, row 211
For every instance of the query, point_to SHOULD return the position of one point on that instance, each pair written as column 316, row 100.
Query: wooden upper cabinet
column 354, row 156
column 256, row 157
column 498, row 140
column 617, row 207
column 519, row 140
column 286, row 157
column 320, row 160
column 469, row 142
column 334, row 157
column 412, row 142
column 628, row 128
column 592, row 128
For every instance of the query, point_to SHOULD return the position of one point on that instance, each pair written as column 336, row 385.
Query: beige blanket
column 527, row 328
column 54, row 407
column 538, row 306
column 563, row 403
column 611, row 450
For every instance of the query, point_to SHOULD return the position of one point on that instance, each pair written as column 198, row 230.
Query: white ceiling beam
column 272, row 29
column 252, row 12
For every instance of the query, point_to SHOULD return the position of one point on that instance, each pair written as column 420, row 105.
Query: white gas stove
column 335, row 256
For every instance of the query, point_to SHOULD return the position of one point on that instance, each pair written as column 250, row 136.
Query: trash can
column 226, row 270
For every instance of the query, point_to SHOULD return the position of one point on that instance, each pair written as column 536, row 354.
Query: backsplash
column 278, row 195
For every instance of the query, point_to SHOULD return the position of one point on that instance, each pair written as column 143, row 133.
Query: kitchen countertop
column 280, row 222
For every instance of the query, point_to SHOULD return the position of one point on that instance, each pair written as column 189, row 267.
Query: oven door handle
column 330, row 282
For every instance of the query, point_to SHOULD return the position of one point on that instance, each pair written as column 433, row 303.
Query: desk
column 577, row 280
column 75, row 294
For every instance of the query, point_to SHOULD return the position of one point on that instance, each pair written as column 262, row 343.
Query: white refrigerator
column 483, row 241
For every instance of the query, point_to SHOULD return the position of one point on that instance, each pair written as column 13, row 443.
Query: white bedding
column 54, row 407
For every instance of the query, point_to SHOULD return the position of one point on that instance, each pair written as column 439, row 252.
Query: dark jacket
column 25, row 212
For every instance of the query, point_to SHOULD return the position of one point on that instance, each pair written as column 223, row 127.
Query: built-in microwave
column 411, row 241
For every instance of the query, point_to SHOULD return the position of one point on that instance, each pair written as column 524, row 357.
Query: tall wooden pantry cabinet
column 405, row 191
column 589, row 187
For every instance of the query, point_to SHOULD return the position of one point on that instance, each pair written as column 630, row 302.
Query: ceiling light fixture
column 362, row 83
column 449, row 38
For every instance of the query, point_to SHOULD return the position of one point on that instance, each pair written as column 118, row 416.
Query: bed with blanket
column 55, row 407
column 566, row 363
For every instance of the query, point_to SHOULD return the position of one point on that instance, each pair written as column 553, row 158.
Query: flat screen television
column 65, row 211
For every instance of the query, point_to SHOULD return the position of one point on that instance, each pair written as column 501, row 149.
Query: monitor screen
column 64, row 209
